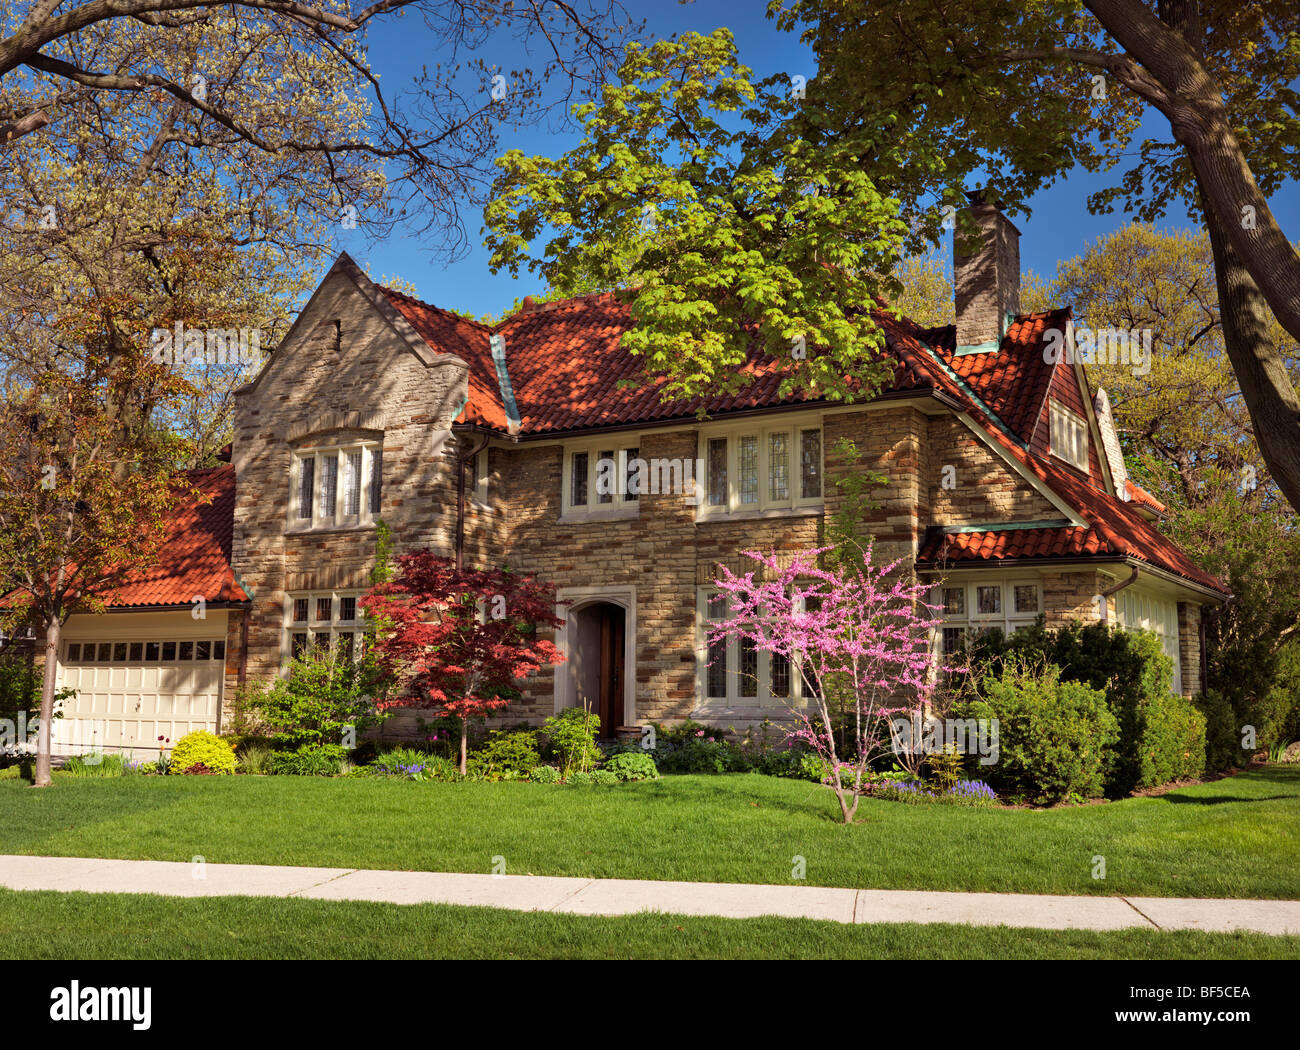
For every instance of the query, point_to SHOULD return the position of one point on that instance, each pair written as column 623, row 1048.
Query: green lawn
column 51, row 925
column 1238, row 837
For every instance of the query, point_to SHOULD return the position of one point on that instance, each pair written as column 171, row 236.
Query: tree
column 930, row 93
column 250, row 79
column 82, row 501
column 726, row 234
column 869, row 626
column 1187, row 438
column 458, row 639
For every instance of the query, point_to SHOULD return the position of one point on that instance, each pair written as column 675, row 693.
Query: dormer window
column 336, row 487
column 1069, row 437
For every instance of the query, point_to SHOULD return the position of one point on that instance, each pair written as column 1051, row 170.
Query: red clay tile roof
column 195, row 559
column 450, row 333
column 1138, row 494
column 565, row 364
column 1014, row 381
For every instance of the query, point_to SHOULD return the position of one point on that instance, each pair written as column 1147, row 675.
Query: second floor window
column 336, row 486
column 602, row 478
column 762, row 468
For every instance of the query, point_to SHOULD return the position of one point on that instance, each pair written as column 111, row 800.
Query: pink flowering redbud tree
column 868, row 628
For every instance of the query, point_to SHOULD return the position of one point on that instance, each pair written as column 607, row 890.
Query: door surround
column 576, row 598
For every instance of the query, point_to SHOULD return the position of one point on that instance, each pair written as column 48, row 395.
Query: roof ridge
column 445, row 311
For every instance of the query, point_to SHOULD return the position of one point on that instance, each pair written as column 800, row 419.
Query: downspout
column 461, row 458
column 243, row 645
column 1105, row 605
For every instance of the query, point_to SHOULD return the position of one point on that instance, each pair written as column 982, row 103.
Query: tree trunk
column 1261, row 371
column 53, row 629
column 464, row 731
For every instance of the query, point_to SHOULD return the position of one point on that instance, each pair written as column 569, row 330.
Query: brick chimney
column 988, row 282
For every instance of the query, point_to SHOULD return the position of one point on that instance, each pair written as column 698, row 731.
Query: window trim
column 371, row 452
column 972, row 621
column 1078, row 426
column 763, row 699
column 312, row 627
column 621, row 504
column 762, row 429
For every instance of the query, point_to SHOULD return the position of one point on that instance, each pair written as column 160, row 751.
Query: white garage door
column 132, row 691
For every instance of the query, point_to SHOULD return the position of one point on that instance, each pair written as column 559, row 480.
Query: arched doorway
column 597, row 637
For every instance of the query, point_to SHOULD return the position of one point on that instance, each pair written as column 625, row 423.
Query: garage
column 138, row 677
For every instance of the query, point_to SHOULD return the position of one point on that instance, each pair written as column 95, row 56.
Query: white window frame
column 312, row 627
column 763, row 697
column 763, row 430
column 972, row 620
column 364, row 517
column 622, row 503
column 1069, row 436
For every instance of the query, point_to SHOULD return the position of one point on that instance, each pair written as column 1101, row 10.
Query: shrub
column 1174, row 741
column 95, row 764
column 571, row 737
column 581, row 778
column 692, row 747
column 632, row 766
column 326, row 699
column 254, row 758
column 410, row 764
column 509, row 752
column 198, row 769
column 311, row 760
column 202, row 747
column 1052, row 734
column 1136, row 675
column 545, row 775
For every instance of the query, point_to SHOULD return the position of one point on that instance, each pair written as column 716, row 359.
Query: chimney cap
column 981, row 196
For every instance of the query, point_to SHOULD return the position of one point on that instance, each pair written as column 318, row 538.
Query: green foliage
column 1053, row 735
column 95, row 764
column 20, row 688
column 571, row 738
column 692, row 747
column 310, row 760
column 1173, row 741
column 325, row 695
column 632, row 766
column 597, row 777
column 507, row 754
column 202, row 747
column 254, row 758
column 545, row 775
column 411, row 764
column 720, row 238
column 1136, row 676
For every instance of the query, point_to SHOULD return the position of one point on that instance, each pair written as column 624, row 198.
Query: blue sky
column 1059, row 227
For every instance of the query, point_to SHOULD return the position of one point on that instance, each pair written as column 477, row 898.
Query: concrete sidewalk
column 627, row 896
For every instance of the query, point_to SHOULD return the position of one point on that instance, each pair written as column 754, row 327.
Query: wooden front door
column 611, row 670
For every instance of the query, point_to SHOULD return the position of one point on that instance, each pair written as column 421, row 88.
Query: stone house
column 517, row 445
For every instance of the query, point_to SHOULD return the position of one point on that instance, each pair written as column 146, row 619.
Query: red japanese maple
column 457, row 640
